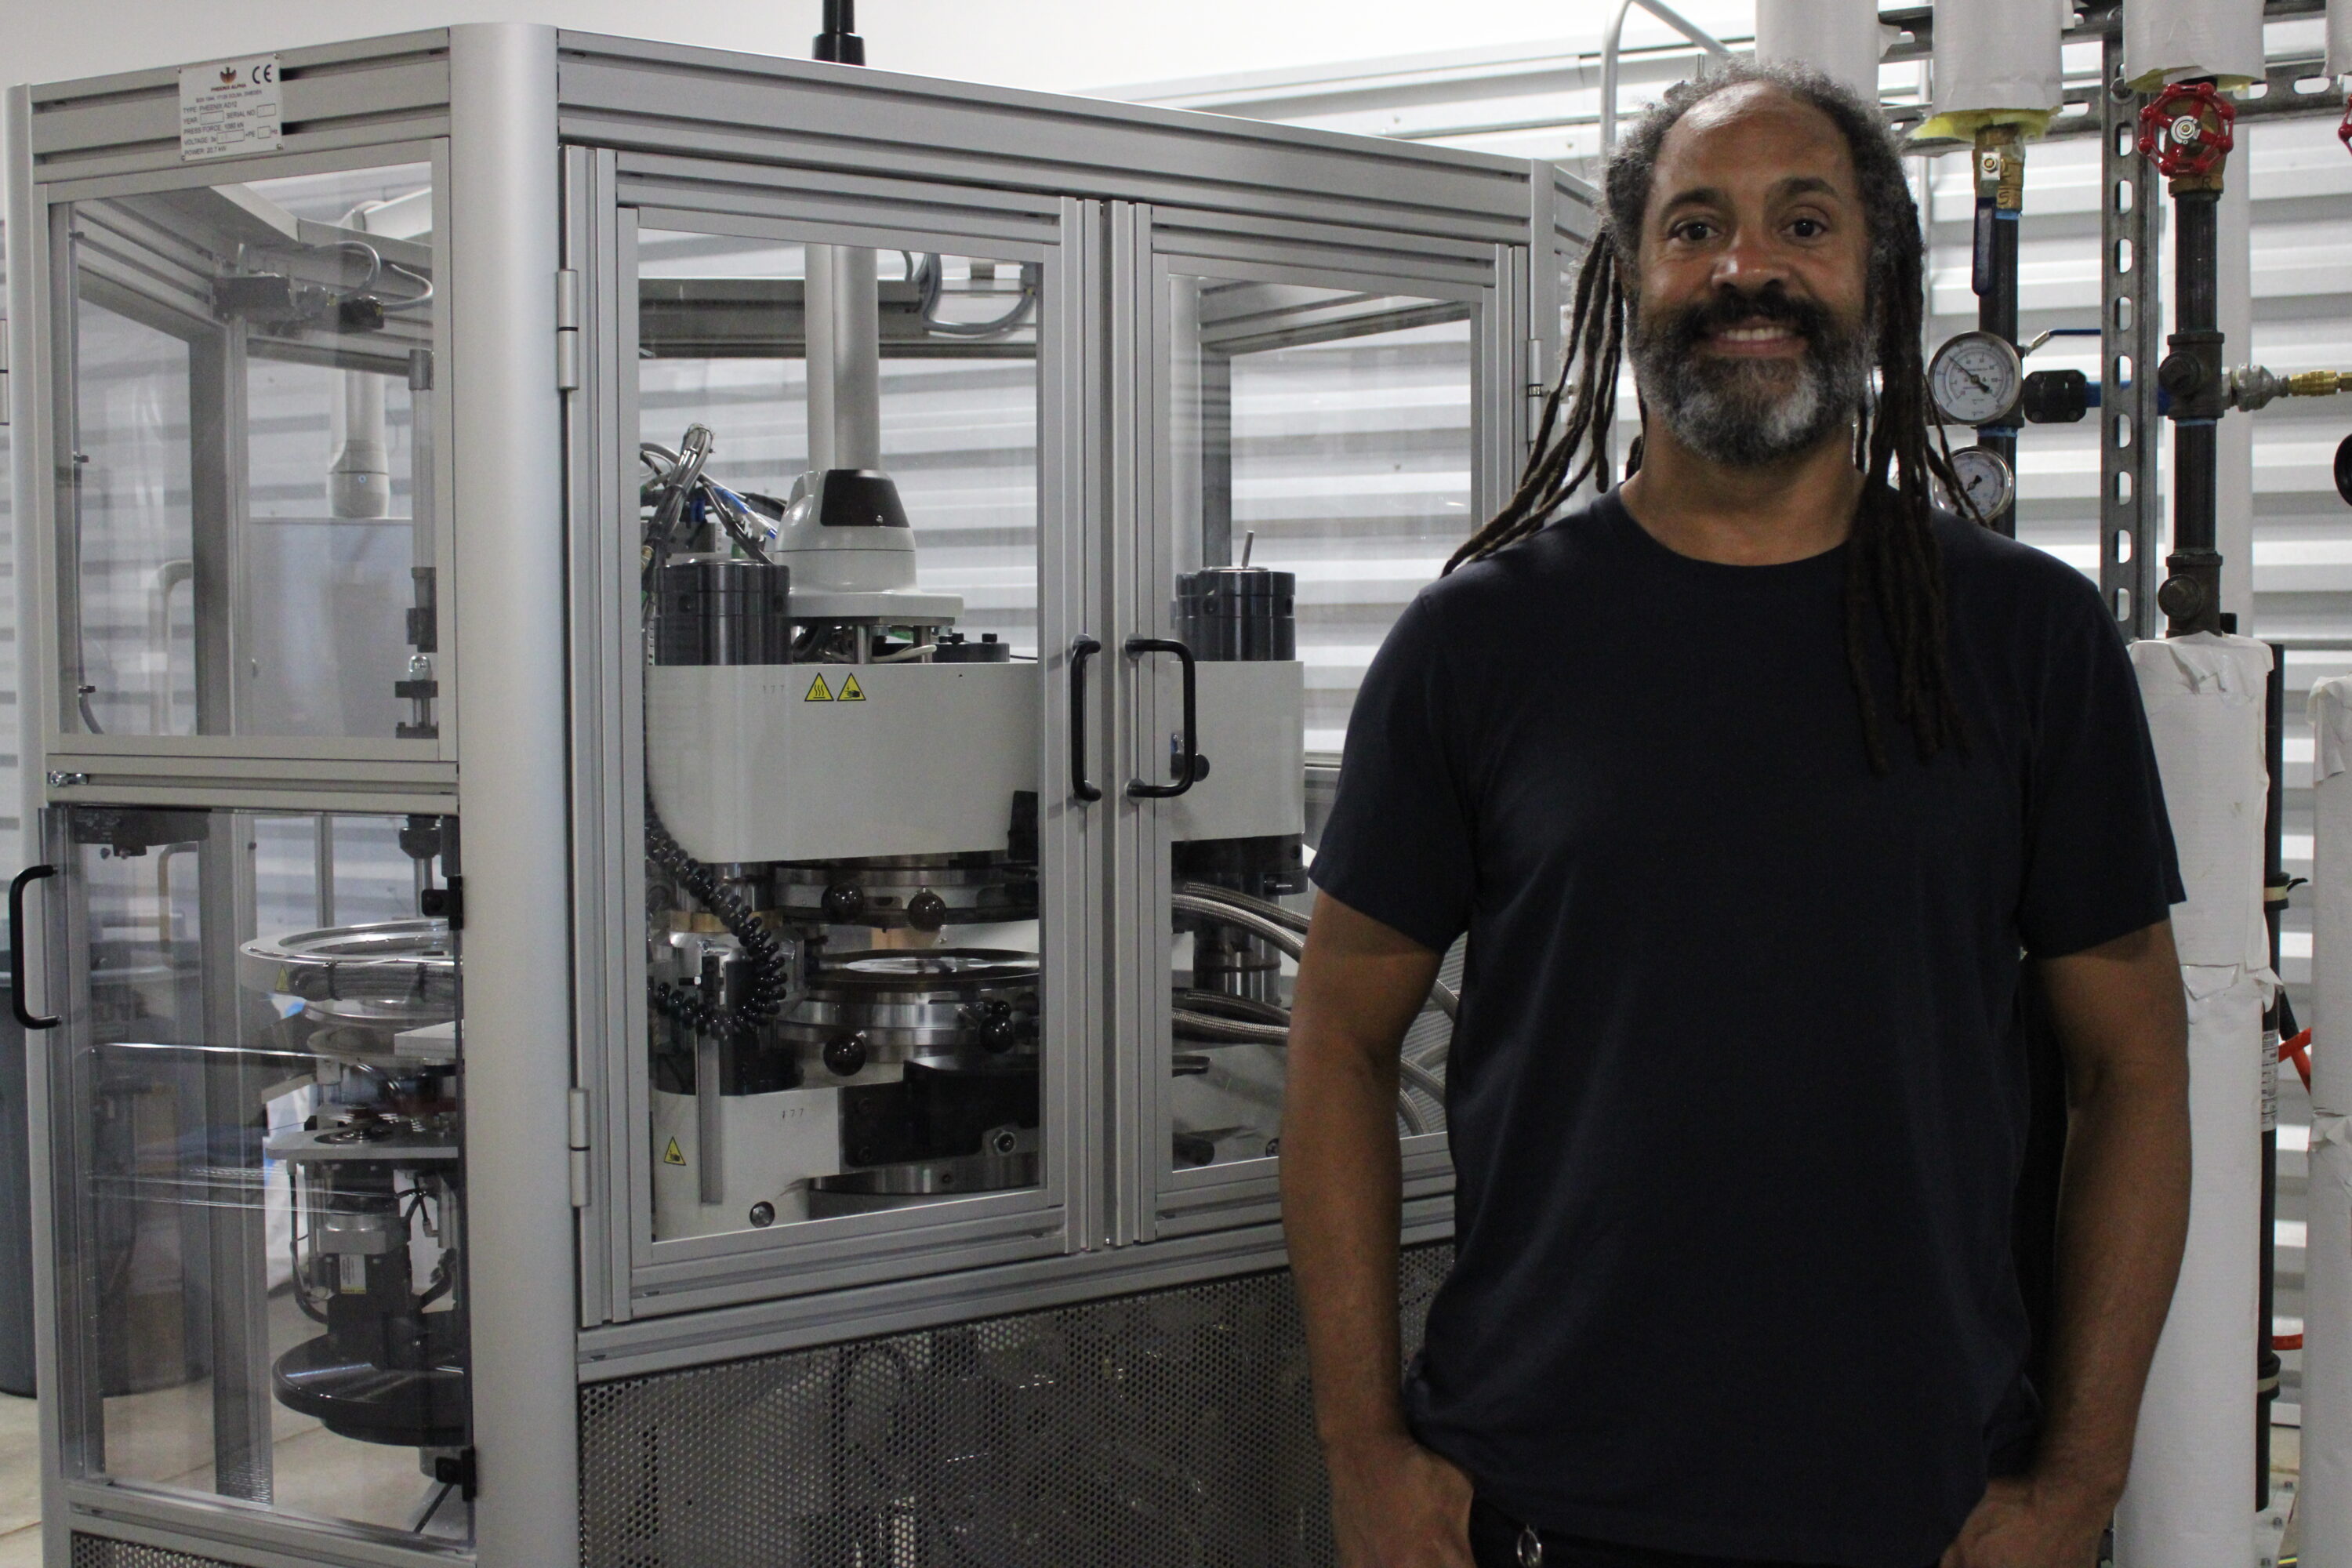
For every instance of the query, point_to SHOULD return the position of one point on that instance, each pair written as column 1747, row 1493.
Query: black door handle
column 1188, row 759
column 1082, row 648
column 30, row 874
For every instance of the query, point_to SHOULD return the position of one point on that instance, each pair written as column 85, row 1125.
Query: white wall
column 1064, row 45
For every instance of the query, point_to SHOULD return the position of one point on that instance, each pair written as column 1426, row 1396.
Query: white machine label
column 230, row 107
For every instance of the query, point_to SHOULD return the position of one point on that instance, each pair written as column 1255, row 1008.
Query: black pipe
column 1996, row 288
column 2274, row 889
column 2191, row 597
column 839, row 42
column 1999, row 161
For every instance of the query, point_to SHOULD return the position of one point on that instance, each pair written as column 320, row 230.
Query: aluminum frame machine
column 526, row 1071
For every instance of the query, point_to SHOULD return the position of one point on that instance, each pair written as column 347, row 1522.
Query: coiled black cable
column 771, row 974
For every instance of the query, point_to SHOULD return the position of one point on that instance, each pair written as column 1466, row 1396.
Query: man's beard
column 1741, row 412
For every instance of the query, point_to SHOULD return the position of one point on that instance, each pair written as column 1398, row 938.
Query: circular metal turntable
column 963, row 1004
column 388, row 975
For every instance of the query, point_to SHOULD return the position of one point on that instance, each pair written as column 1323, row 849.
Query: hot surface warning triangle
column 818, row 691
column 673, row 1155
column 851, row 691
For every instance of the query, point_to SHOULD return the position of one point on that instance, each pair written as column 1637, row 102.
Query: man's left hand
column 2020, row 1523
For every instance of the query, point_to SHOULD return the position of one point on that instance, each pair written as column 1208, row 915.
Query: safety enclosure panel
column 1319, row 415
column 255, row 1133
column 250, row 537
column 847, row 1028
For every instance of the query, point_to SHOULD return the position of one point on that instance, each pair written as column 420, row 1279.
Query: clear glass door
column 839, row 543
column 257, row 1137
column 1319, row 466
column 248, row 543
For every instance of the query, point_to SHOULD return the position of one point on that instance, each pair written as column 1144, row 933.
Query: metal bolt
column 763, row 1215
column 61, row 779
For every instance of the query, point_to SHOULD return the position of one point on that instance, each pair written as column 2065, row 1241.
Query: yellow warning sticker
column 818, row 691
column 673, row 1155
column 851, row 691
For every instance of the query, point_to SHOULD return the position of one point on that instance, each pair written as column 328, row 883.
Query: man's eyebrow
column 1794, row 186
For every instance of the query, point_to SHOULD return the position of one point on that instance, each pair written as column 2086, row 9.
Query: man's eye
column 1692, row 230
column 1809, row 229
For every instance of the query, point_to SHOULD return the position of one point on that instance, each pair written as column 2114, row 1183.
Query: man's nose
column 1749, row 261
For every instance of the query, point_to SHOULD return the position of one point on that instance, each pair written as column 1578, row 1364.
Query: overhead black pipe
column 839, row 42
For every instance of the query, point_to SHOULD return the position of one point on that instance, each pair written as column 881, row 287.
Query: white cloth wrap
column 2004, row 54
column 1839, row 38
column 2325, row 1510
column 2193, row 1460
column 2165, row 40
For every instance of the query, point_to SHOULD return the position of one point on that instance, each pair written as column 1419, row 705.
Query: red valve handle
column 2344, row 131
column 2186, row 129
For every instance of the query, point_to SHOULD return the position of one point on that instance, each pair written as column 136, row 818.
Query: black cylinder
column 1238, row 614
column 723, row 612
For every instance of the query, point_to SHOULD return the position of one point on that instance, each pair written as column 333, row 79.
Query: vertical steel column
column 235, row 1120
column 2131, row 313
column 1999, row 166
column 508, row 601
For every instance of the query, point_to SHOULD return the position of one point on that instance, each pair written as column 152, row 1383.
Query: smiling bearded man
column 1756, row 787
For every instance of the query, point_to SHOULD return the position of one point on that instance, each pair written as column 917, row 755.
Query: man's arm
column 2123, row 1216
column 1360, row 985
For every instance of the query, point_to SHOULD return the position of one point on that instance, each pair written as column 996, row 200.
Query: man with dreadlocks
column 1760, row 788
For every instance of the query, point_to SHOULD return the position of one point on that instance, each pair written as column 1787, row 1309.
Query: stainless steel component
column 924, row 893
column 949, row 1005
column 377, row 979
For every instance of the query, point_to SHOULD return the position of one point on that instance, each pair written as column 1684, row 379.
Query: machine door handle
column 30, row 874
column 1188, row 751
column 1082, row 648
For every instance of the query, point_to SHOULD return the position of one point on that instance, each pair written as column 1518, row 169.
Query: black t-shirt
column 1738, row 1097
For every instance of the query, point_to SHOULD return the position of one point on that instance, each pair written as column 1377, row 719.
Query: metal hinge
column 567, row 330
column 4, row 370
column 445, row 903
column 1539, row 387
column 579, row 1108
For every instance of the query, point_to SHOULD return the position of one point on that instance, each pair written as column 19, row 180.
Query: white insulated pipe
column 1998, row 61
column 842, row 308
column 2339, row 38
column 2187, row 1504
column 2324, row 1506
column 1839, row 38
column 2166, row 40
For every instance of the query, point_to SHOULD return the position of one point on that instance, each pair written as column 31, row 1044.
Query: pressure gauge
column 1976, row 379
column 1985, row 479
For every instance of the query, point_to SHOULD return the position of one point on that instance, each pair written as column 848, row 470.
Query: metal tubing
column 503, row 256
column 2191, row 596
column 1609, row 48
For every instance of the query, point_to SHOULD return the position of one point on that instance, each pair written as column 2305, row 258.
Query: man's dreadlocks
column 1892, row 558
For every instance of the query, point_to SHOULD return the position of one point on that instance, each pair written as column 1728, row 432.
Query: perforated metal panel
column 100, row 1552
column 1171, row 1429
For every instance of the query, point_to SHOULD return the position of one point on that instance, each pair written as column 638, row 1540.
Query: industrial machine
column 877, row 571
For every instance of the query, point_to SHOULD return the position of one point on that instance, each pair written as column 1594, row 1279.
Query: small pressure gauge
column 1985, row 479
column 1976, row 379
